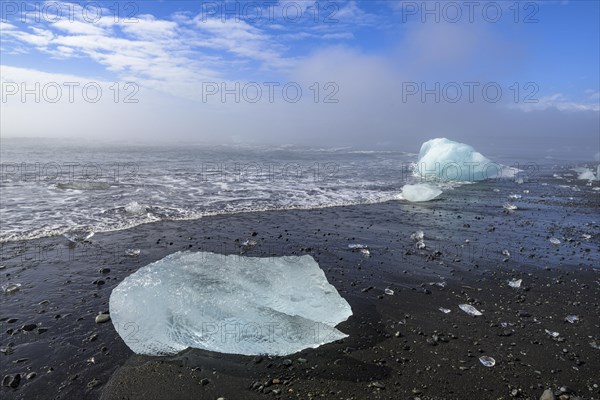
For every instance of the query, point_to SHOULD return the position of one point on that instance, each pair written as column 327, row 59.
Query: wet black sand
column 400, row 346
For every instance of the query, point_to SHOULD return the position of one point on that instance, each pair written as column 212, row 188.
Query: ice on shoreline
column 229, row 304
column 446, row 160
column 420, row 192
column 587, row 174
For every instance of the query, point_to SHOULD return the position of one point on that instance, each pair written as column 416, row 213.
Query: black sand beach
column 400, row 346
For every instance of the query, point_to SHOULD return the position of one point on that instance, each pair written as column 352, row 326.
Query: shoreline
column 399, row 346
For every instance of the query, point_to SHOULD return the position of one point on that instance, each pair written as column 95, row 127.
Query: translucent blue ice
column 229, row 304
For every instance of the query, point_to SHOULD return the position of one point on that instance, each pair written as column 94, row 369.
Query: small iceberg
column 446, row 160
column 420, row 192
column 229, row 304
column 587, row 174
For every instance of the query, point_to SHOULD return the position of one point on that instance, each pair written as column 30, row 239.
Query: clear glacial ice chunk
column 452, row 161
column 420, row 192
column 439, row 284
column 554, row 241
column 469, row 309
column 572, row 319
column 418, row 236
column 515, row 283
column 552, row 334
column 363, row 248
column 444, row 310
column 487, row 361
column 132, row 252
column 228, row 304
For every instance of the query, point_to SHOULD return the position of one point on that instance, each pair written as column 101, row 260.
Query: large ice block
column 443, row 159
column 229, row 304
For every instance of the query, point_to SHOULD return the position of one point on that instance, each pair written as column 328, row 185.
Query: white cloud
column 560, row 102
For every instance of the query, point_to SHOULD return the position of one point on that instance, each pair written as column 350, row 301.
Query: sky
column 372, row 74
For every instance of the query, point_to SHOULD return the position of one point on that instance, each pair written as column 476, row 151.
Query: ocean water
column 51, row 187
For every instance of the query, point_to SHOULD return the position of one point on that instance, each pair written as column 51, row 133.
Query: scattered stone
column 28, row 327
column 11, row 381
column 377, row 385
column 31, row 375
column 93, row 383
column 566, row 389
column 102, row 318
column 204, row 381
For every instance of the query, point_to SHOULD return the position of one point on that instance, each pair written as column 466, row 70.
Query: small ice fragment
column 586, row 236
column 572, row 319
column 496, row 190
column 363, row 248
column 249, row 243
column 389, row 292
column 11, row 287
column 440, row 284
column 487, row 361
column 444, row 310
column 514, row 196
column 506, row 253
column 526, row 191
column 504, row 324
column 553, row 334
column 595, row 345
column 132, row 252
column 420, row 192
column 554, row 241
column 519, row 181
column 79, row 237
column 420, row 244
column 469, row 309
column 418, row 236
column 510, row 207
column 515, row 283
